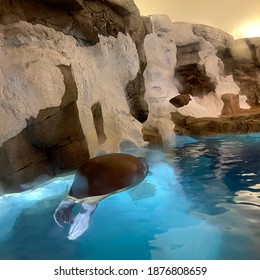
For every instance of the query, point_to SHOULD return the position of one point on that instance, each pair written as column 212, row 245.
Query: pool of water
column 200, row 200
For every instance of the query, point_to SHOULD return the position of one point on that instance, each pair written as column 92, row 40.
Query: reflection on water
column 247, row 197
column 223, row 188
column 199, row 202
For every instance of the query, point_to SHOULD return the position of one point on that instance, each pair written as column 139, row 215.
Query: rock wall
column 238, row 123
column 200, row 71
column 222, row 76
column 160, row 50
column 241, row 60
column 71, row 75
column 79, row 78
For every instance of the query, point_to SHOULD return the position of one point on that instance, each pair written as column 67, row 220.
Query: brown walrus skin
column 107, row 174
column 96, row 179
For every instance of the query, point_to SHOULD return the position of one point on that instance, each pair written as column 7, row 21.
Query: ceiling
column 240, row 18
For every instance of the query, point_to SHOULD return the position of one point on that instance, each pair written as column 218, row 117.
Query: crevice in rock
column 71, row 91
column 21, row 163
column 194, row 80
column 241, row 61
column 135, row 91
column 52, row 143
column 99, row 122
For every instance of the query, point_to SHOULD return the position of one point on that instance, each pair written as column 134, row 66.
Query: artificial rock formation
column 199, row 70
column 62, row 62
column 241, row 59
column 227, row 89
column 231, row 104
column 243, row 122
column 81, row 77
column 180, row 100
column 159, row 83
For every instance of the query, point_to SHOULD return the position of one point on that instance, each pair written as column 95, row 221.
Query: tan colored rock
column 241, row 60
column 21, row 162
column 180, row 100
column 160, row 50
column 50, row 128
column 216, row 37
column 244, row 122
column 231, row 104
column 49, row 81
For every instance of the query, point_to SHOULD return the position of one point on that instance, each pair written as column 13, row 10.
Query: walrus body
column 107, row 174
column 96, row 179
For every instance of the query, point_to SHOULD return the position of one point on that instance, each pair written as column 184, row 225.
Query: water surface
column 200, row 201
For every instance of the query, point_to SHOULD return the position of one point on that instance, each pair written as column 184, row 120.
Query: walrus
column 96, row 179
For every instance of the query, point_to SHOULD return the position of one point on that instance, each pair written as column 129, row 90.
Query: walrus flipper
column 81, row 221
column 63, row 214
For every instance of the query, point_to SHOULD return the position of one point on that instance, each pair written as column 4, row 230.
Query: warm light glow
column 240, row 18
column 249, row 29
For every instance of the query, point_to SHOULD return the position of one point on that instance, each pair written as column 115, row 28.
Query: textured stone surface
column 180, row 100
column 84, row 20
column 52, row 143
column 21, row 162
column 48, row 130
column 58, row 60
column 241, row 59
column 135, row 91
column 231, row 104
column 199, row 71
column 79, row 77
column 194, row 80
column 160, row 50
column 188, row 55
column 239, row 123
column 216, row 37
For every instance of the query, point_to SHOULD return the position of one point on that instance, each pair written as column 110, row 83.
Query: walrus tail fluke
column 96, row 179
column 81, row 221
column 63, row 213
column 79, row 224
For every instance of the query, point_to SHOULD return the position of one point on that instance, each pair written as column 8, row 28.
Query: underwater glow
column 201, row 201
column 11, row 205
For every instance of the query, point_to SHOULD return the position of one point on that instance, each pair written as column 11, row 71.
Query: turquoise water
column 200, row 201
